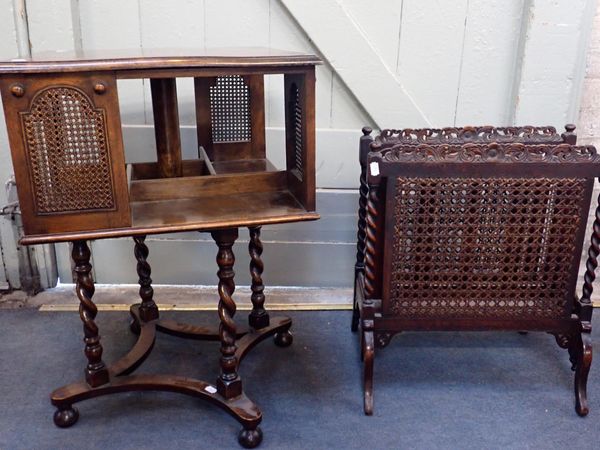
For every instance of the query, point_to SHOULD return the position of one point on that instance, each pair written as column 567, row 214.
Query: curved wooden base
column 277, row 326
column 368, row 356
column 579, row 345
column 240, row 407
column 584, row 361
column 141, row 349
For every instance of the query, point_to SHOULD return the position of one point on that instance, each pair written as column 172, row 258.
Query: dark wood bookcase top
column 145, row 59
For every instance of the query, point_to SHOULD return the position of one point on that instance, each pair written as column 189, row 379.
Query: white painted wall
column 589, row 116
column 388, row 63
column 9, row 266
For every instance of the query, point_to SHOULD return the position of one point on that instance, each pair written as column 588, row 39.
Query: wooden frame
column 462, row 157
column 99, row 89
column 254, row 148
column 300, row 143
column 80, row 161
column 138, row 214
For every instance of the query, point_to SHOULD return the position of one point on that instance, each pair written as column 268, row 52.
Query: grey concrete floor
column 487, row 390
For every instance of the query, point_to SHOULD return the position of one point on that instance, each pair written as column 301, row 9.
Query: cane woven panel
column 481, row 247
column 68, row 153
column 230, row 110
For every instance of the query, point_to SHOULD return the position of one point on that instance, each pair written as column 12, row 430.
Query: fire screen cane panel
column 483, row 247
column 68, row 153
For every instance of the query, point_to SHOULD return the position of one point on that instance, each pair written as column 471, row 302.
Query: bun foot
column 64, row 418
column 134, row 326
column 250, row 438
column 284, row 339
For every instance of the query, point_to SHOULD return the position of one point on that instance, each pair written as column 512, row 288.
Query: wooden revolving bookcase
column 64, row 127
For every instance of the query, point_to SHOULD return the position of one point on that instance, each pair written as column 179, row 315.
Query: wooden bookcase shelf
column 244, row 165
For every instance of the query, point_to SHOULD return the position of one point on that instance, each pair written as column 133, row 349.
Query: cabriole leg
column 584, row 361
column 368, row 356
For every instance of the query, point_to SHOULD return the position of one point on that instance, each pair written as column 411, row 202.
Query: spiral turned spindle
column 590, row 269
column 371, row 241
column 583, row 348
column 258, row 318
column 228, row 385
column 96, row 373
column 370, row 268
column 360, row 240
column 364, row 148
column 362, row 220
column 148, row 308
column 365, row 145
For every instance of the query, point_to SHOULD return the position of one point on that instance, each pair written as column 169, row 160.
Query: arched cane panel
column 68, row 152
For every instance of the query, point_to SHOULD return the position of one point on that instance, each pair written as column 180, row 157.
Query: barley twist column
column 229, row 383
column 148, row 309
column 362, row 220
column 96, row 373
column 371, row 241
column 365, row 142
column 258, row 318
column 590, row 269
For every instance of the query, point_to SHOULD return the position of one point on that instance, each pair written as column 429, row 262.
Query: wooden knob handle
column 18, row 90
column 99, row 88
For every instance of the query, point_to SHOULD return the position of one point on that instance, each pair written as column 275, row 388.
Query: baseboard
column 195, row 298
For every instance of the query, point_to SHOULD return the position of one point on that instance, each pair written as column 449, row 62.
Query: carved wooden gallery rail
column 475, row 229
column 64, row 128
